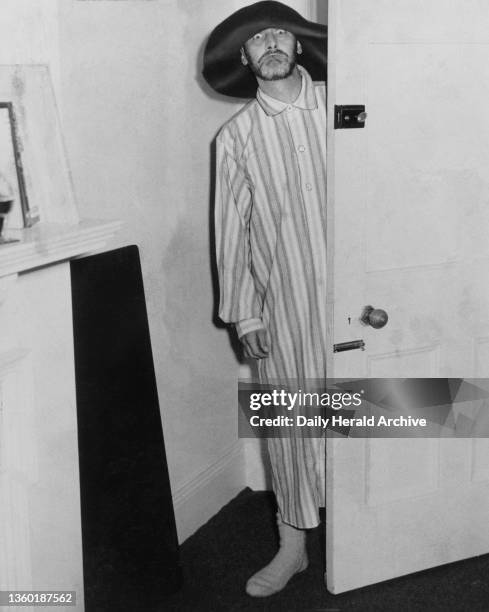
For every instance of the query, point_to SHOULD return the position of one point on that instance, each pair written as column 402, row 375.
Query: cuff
column 248, row 325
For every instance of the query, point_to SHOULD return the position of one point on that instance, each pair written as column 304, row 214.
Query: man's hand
column 255, row 344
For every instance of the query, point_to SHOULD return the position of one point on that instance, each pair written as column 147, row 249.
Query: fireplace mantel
column 39, row 480
column 48, row 243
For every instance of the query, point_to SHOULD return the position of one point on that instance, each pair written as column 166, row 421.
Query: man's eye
column 280, row 31
column 256, row 37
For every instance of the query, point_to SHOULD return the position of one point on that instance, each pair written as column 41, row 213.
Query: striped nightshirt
column 270, row 220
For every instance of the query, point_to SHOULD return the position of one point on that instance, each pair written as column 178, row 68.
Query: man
column 271, row 235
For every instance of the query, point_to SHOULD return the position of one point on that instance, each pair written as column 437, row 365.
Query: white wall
column 30, row 33
column 139, row 128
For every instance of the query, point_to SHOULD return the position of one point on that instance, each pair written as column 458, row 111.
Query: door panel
column 408, row 224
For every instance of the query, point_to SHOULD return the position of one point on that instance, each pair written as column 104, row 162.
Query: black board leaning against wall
column 130, row 549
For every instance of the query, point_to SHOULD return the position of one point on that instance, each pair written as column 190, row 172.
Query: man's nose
column 271, row 40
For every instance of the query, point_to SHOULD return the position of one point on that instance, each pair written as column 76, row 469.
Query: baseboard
column 198, row 500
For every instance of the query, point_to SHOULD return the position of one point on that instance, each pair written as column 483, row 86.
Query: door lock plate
column 349, row 116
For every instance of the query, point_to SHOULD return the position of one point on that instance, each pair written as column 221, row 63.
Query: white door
column 408, row 207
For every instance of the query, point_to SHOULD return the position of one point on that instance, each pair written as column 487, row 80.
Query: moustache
column 272, row 53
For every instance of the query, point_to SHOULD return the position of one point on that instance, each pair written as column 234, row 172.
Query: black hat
column 223, row 69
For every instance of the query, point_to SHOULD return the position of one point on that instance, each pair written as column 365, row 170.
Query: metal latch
column 349, row 116
column 349, row 346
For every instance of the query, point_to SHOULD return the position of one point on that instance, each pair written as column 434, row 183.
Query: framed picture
column 12, row 183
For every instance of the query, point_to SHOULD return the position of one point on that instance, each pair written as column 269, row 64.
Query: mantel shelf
column 48, row 243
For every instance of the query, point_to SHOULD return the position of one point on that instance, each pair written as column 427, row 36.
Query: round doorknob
column 375, row 317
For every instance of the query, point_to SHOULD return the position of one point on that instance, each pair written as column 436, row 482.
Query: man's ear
column 299, row 48
column 244, row 61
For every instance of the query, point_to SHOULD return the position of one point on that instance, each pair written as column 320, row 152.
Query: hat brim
column 223, row 69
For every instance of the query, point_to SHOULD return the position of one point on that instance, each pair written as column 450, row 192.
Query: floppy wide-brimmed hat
column 223, row 69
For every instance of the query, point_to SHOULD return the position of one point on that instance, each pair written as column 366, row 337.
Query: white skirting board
column 203, row 496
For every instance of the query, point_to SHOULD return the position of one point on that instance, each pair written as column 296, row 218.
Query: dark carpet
column 219, row 558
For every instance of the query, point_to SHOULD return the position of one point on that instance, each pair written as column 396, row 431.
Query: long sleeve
column 238, row 297
column 248, row 325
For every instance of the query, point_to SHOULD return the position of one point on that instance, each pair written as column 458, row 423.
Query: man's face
column 271, row 54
